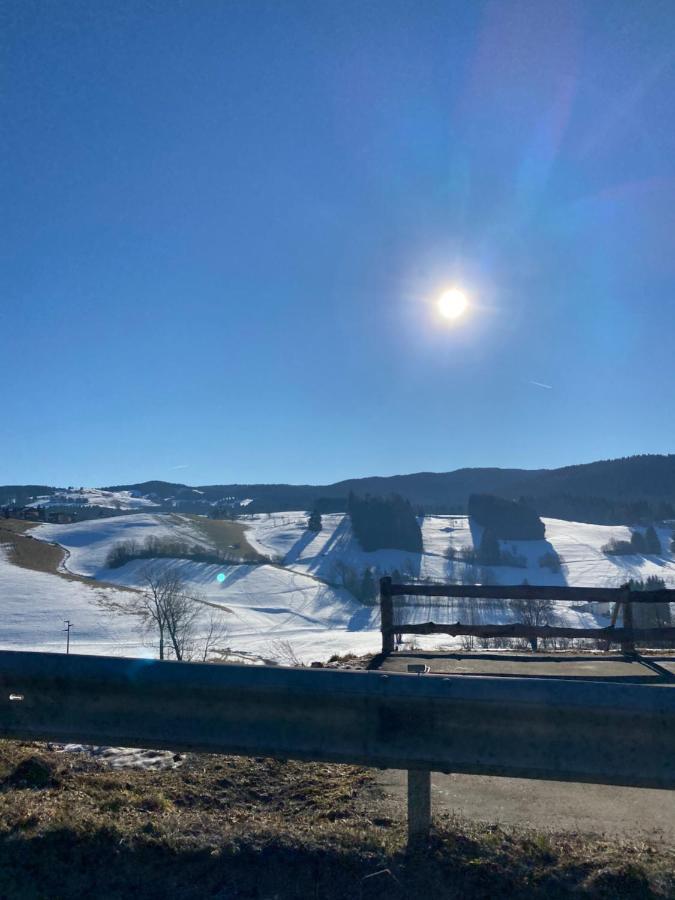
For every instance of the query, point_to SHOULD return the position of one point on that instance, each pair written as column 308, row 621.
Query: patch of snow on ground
column 128, row 757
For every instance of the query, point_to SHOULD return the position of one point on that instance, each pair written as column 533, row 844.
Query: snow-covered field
column 296, row 604
column 94, row 497
column 285, row 536
column 34, row 606
column 88, row 543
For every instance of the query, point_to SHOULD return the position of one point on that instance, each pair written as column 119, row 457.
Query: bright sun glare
column 452, row 304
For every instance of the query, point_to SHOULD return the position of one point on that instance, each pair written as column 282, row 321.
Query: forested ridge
column 629, row 490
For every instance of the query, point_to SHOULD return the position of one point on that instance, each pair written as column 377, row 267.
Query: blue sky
column 225, row 225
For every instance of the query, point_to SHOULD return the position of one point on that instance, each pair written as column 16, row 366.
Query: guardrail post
column 419, row 804
column 386, row 615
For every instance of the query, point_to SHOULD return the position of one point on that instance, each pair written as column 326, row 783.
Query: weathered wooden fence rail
column 622, row 598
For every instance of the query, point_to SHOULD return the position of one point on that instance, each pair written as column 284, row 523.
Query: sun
column 452, row 304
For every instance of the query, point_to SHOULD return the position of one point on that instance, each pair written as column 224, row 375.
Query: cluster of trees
column 364, row 586
column 647, row 544
column 163, row 548
column 600, row 510
column 489, row 553
column 384, row 523
column 650, row 615
column 551, row 560
column 314, row 522
column 224, row 511
column 506, row 519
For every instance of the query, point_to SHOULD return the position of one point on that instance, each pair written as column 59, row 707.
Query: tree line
column 384, row 523
column 600, row 510
column 506, row 519
column 165, row 548
column 647, row 544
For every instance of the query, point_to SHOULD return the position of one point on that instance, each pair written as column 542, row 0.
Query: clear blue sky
column 224, row 225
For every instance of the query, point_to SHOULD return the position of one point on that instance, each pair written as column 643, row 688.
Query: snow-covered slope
column 34, row 606
column 94, row 497
column 267, row 606
column 300, row 601
column 578, row 544
column 88, row 543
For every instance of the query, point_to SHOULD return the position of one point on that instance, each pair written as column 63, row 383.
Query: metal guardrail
column 529, row 728
column 622, row 598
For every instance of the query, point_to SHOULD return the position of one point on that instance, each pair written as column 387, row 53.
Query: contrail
column 184, row 466
column 549, row 387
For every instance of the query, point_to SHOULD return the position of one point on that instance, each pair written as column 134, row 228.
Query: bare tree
column 533, row 612
column 471, row 616
column 283, row 652
column 215, row 633
column 165, row 608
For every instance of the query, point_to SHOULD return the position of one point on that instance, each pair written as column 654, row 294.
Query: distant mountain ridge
column 610, row 491
column 634, row 480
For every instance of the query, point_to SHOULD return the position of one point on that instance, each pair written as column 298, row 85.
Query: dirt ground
column 629, row 814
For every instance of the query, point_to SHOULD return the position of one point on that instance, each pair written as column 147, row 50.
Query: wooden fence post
column 628, row 646
column 386, row 615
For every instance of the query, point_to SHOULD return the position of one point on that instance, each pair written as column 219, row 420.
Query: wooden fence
column 622, row 599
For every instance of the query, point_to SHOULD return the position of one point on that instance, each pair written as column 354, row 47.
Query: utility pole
column 68, row 625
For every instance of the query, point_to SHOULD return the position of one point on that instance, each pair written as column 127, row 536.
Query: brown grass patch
column 228, row 536
column 28, row 552
column 254, row 828
column 40, row 556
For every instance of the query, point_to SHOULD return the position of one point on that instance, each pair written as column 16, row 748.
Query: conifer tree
column 652, row 542
column 368, row 590
column 488, row 552
column 384, row 522
column 638, row 543
column 314, row 522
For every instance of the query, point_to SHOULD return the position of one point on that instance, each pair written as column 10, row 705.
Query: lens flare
column 220, row 577
column 452, row 304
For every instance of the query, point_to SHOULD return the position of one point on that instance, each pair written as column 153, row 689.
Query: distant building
column 60, row 518
column 27, row 513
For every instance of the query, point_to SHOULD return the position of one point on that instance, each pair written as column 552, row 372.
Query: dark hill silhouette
column 626, row 489
column 23, row 493
column 619, row 490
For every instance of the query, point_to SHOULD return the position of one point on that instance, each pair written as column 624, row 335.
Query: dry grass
column 27, row 552
column 40, row 556
column 226, row 533
column 251, row 828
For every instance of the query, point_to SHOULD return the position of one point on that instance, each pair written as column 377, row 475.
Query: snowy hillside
column 94, row 497
column 579, row 546
column 297, row 604
column 269, row 611
column 35, row 605
column 88, row 543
